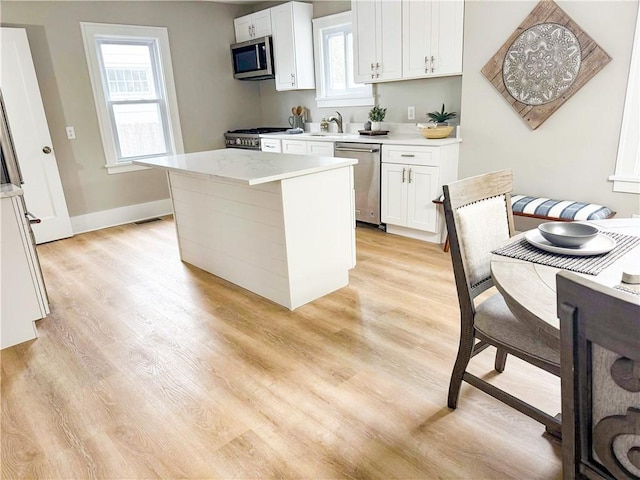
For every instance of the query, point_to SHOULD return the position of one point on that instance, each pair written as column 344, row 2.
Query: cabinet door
column 446, row 37
column 298, row 147
column 243, row 26
column 283, row 46
column 416, row 34
column 262, row 23
column 320, row 148
column 389, row 40
column 422, row 186
column 363, row 18
column 394, row 194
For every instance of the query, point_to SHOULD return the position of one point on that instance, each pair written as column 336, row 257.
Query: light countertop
column 246, row 166
column 9, row 190
column 390, row 139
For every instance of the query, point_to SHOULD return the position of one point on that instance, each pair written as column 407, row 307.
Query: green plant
column 441, row 117
column 377, row 113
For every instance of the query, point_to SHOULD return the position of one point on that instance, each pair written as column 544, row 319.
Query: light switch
column 71, row 133
column 411, row 113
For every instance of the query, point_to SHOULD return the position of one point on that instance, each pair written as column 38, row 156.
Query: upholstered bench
column 549, row 209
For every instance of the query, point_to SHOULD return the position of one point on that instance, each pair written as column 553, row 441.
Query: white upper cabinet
column 377, row 42
column 432, row 37
column 254, row 25
column 293, row 46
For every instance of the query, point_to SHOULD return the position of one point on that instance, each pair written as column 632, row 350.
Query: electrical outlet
column 71, row 133
column 411, row 113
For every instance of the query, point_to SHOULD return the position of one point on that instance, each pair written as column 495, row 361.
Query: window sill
column 123, row 167
column 622, row 183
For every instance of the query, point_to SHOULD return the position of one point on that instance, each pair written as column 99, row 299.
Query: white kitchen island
column 279, row 225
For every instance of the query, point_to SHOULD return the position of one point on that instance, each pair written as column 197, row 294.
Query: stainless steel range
column 248, row 138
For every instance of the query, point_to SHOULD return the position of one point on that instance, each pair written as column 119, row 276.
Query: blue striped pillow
column 563, row 209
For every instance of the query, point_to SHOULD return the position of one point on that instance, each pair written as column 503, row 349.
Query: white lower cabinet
column 412, row 177
column 320, row 148
column 270, row 145
column 298, row 147
column 303, row 147
column 23, row 298
column 408, row 191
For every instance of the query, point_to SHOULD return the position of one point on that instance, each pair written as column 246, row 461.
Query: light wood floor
column 148, row 367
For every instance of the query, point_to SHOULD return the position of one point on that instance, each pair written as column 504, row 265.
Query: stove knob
column 238, row 141
column 254, row 143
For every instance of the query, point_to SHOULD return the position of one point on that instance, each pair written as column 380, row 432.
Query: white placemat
column 592, row 265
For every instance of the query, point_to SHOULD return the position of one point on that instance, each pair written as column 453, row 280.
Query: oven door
column 252, row 60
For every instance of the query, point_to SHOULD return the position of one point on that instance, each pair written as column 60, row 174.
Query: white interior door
column 42, row 186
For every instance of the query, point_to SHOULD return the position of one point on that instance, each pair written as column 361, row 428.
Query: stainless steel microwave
column 253, row 59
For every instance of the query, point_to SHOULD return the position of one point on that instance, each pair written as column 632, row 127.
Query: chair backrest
column 600, row 372
column 479, row 219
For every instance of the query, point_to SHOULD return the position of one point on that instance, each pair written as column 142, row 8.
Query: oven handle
column 357, row 150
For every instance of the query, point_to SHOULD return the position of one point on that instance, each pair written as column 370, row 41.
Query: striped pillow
column 564, row 209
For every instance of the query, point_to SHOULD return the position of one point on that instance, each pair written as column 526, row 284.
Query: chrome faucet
column 338, row 121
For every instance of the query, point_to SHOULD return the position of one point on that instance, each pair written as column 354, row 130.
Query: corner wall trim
column 119, row 216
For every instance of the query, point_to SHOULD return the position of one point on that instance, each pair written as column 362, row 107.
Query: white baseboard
column 431, row 237
column 119, row 216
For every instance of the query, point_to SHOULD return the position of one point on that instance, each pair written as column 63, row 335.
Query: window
column 627, row 175
column 333, row 50
column 132, row 81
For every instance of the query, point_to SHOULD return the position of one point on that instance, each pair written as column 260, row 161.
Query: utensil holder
column 296, row 121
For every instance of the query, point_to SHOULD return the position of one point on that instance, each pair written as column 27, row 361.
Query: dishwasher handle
column 357, row 150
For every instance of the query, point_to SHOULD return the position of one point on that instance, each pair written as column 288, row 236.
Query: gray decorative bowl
column 568, row 234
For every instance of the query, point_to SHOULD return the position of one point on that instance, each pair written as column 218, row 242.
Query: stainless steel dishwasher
column 366, row 178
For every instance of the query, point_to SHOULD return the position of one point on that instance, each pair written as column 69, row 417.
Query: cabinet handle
column 410, row 175
column 433, row 68
column 377, row 70
column 410, row 155
column 372, row 75
column 426, row 64
column 293, row 80
column 404, row 171
column 32, row 218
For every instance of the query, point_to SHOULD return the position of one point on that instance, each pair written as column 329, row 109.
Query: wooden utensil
column 299, row 110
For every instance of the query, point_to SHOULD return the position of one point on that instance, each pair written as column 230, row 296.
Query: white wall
column 571, row 155
column 210, row 101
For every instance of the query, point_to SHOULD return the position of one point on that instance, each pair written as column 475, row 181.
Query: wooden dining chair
column 600, row 338
column 479, row 220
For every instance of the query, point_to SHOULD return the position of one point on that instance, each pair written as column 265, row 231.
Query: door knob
column 46, row 150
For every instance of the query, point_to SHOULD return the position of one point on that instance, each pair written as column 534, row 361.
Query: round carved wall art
column 541, row 64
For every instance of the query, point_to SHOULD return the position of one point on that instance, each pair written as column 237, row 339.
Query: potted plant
column 440, row 118
column 376, row 115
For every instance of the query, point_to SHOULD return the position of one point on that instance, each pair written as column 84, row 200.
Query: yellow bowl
column 437, row 132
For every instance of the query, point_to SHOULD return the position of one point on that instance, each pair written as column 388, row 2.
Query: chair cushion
column 482, row 227
column 563, row 209
column 495, row 320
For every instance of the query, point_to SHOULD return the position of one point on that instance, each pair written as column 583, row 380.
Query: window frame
column 627, row 173
column 323, row 99
column 93, row 35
